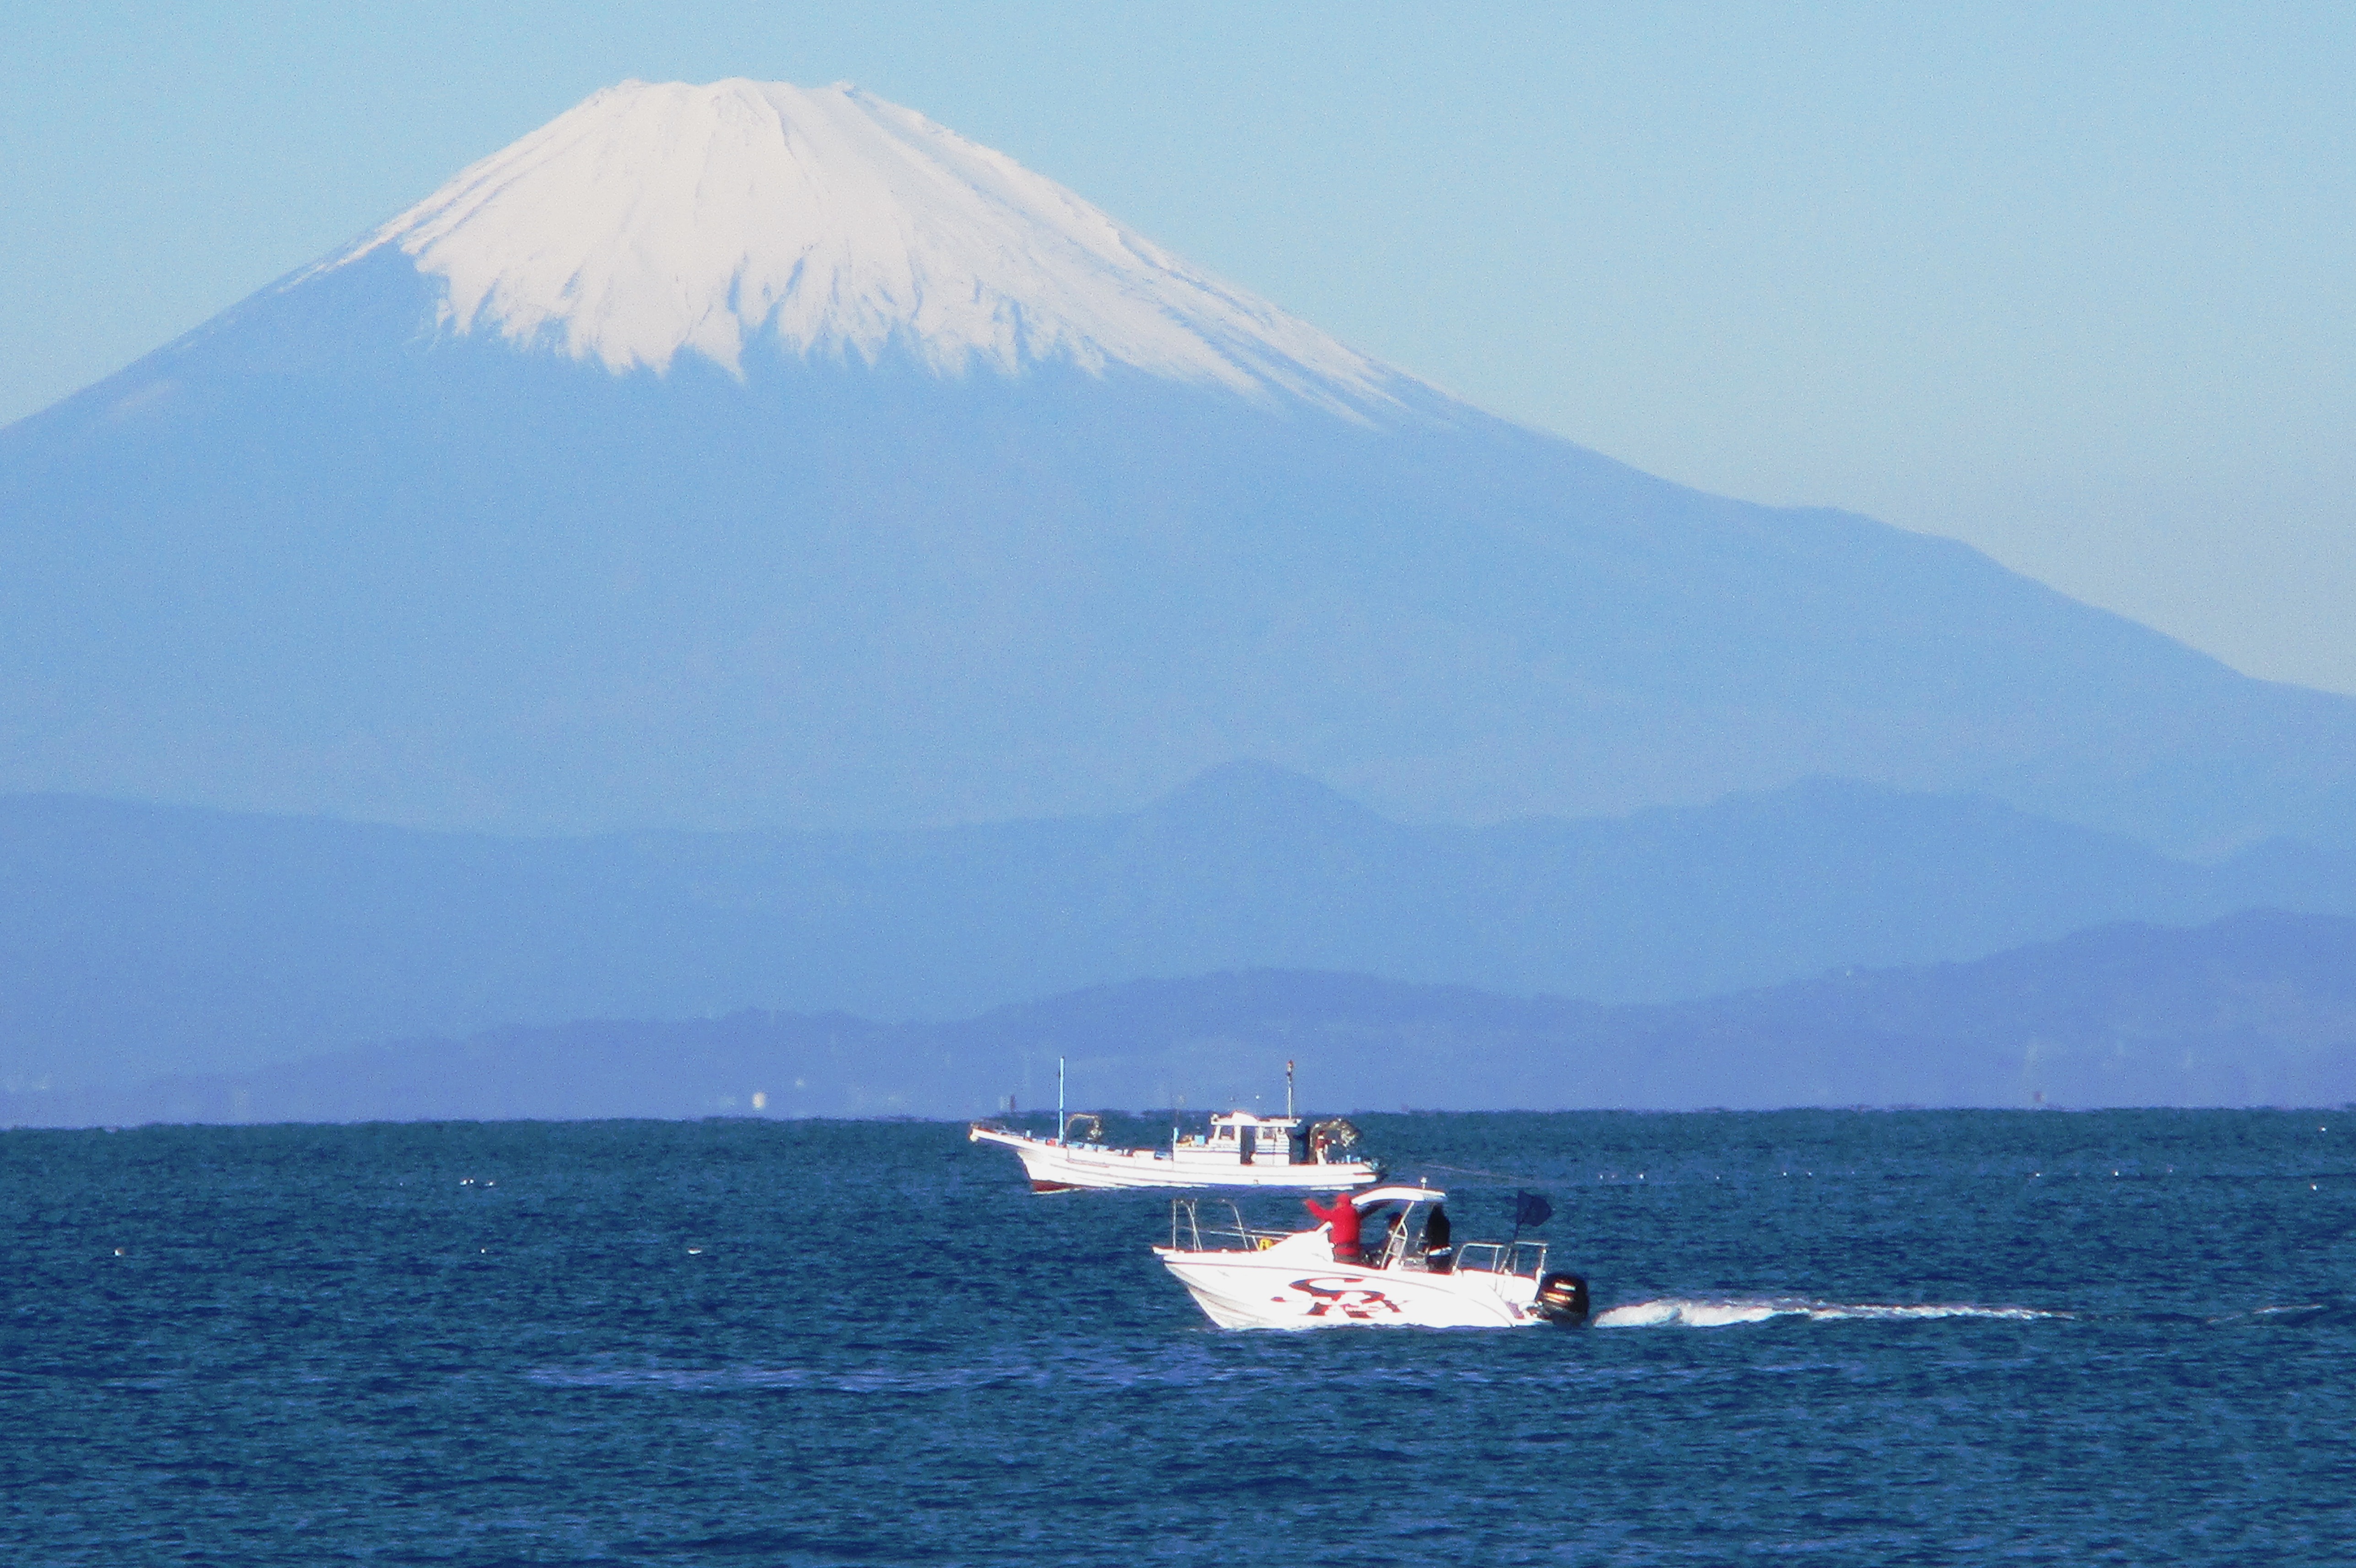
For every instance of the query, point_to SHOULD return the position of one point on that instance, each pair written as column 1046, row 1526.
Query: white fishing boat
column 1411, row 1277
column 1240, row 1149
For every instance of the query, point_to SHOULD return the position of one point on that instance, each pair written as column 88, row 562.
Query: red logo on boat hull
column 1353, row 1300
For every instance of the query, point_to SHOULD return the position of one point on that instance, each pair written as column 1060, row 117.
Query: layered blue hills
column 2255, row 1009
column 142, row 940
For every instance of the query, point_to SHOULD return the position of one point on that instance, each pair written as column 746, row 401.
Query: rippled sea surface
column 1821, row 1338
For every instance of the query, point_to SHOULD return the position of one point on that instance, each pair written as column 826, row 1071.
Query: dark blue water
column 2130, row 1339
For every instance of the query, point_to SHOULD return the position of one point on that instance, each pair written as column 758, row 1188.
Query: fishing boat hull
column 1065, row 1167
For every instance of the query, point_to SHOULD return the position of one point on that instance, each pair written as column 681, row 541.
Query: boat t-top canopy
column 1396, row 1192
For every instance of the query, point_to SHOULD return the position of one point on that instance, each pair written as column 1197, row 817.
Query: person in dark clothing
column 1342, row 1218
column 1439, row 1251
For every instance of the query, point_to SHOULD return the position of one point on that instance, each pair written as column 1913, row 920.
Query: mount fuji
column 748, row 456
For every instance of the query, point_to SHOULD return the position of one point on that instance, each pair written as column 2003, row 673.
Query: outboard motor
column 1562, row 1299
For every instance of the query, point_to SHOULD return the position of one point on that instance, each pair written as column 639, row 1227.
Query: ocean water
column 1821, row 1338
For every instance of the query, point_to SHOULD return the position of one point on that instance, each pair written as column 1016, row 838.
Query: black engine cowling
column 1562, row 1299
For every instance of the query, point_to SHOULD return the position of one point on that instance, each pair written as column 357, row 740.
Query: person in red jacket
column 1343, row 1218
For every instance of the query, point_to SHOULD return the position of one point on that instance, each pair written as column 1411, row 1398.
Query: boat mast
column 1288, row 1090
column 1059, row 1099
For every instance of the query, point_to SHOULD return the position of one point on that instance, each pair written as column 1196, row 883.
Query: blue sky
column 2071, row 283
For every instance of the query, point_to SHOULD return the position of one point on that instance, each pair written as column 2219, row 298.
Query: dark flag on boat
column 1531, row 1211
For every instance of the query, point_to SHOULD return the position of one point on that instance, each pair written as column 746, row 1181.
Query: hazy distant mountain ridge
column 2256, row 1009
column 142, row 940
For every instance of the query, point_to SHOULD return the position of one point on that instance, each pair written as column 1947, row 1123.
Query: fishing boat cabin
column 1239, row 1138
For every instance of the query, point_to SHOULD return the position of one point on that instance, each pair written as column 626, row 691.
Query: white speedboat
column 1240, row 1150
column 1275, row 1279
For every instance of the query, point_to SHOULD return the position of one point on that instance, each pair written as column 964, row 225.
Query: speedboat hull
column 1264, row 1290
column 1412, row 1277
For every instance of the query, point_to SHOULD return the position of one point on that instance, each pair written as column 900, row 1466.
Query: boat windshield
column 1410, row 1242
column 1400, row 1228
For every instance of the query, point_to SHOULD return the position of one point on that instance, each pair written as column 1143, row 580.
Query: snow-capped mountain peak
column 654, row 220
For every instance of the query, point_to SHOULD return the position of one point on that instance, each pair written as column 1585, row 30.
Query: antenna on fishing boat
column 1059, row 1099
column 1288, row 1088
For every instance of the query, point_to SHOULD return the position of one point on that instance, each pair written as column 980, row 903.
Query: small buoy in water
column 118, row 1252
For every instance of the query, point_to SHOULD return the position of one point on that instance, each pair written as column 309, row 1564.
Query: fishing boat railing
column 1502, row 1257
column 1189, row 1230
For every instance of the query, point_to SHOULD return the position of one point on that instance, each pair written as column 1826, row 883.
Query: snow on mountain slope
column 745, row 455
column 658, row 218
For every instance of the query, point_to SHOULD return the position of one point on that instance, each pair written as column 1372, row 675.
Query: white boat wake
column 1671, row 1312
